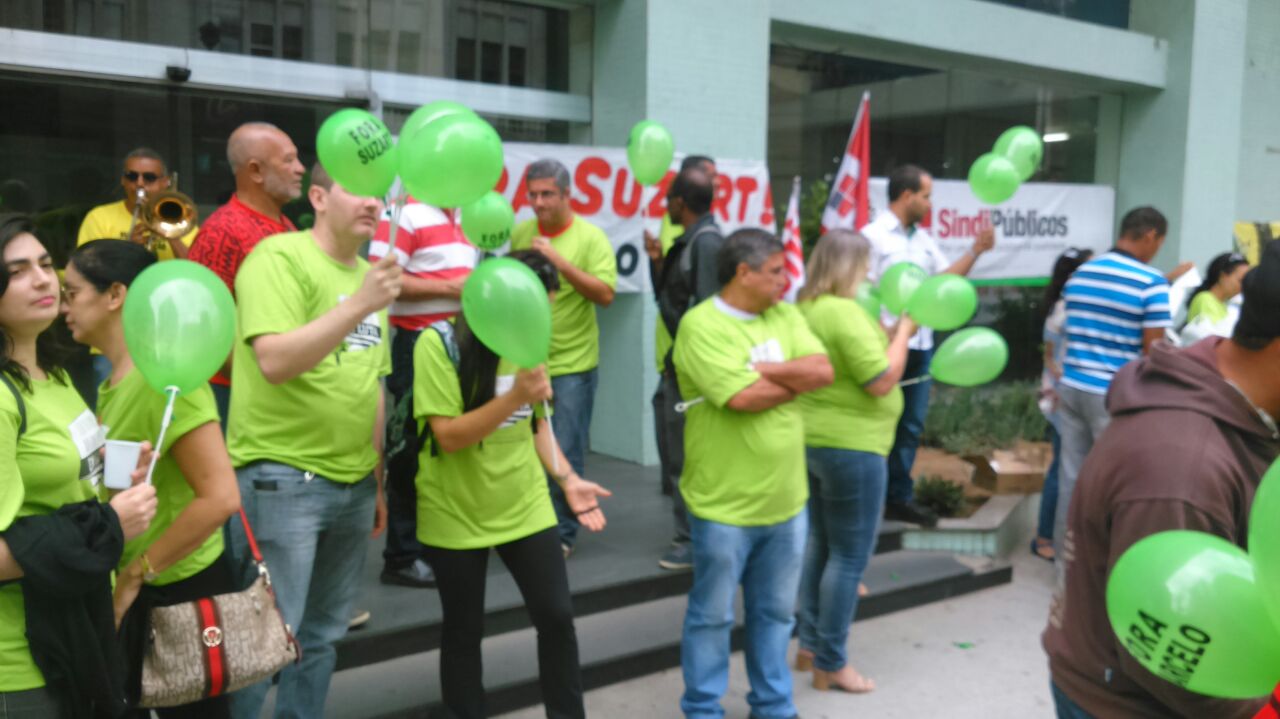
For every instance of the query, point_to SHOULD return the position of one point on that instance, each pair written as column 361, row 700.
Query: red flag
column 792, row 246
column 848, row 207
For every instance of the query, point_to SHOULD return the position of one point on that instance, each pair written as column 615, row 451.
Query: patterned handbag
column 216, row 645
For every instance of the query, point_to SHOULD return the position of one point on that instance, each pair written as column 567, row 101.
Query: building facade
column 1167, row 101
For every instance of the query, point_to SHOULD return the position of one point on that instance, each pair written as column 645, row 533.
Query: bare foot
column 804, row 660
column 845, row 679
column 862, row 590
column 1042, row 548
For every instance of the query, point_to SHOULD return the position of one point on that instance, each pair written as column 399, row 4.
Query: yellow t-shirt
column 575, row 336
column 112, row 222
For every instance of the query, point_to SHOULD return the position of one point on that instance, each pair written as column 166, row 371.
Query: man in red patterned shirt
column 436, row 258
column 268, row 174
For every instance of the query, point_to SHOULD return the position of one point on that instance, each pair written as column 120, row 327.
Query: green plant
column 977, row 420
column 943, row 496
column 813, row 200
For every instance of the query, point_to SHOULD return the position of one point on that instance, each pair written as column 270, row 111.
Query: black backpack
column 22, row 406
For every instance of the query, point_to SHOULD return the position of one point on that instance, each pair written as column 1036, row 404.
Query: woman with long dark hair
column 1055, row 351
column 481, row 487
column 54, row 535
column 180, row 558
column 1222, row 281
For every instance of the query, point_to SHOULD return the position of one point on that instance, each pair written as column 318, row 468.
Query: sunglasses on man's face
column 147, row 177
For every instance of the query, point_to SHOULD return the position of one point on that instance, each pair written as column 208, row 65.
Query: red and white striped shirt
column 429, row 245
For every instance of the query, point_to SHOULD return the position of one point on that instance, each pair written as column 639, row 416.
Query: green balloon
column 650, row 150
column 993, row 179
column 487, row 222
column 970, row 357
column 452, row 161
column 421, row 117
column 1022, row 146
column 944, row 302
column 898, row 284
column 506, row 306
column 1264, row 538
column 1188, row 607
column 868, row 297
column 179, row 324
column 357, row 151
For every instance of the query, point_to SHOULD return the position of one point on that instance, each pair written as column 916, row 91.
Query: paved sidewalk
column 974, row 657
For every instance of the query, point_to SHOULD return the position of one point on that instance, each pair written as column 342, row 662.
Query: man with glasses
column 588, row 277
column 144, row 169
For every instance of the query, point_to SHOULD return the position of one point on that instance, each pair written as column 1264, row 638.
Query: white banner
column 604, row 193
column 1032, row 228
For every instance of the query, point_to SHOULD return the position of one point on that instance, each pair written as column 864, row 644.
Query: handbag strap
column 248, row 532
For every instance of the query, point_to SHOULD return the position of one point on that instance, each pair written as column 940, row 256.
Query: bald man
column 268, row 174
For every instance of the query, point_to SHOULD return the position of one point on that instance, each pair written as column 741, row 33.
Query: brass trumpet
column 167, row 215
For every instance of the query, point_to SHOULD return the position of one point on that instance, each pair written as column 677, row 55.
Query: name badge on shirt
column 503, row 385
column 770, row 351
column 89, row 439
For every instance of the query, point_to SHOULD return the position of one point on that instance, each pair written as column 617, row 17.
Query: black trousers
column 402, row 456
column 536, row 563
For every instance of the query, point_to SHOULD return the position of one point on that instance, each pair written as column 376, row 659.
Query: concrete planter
column 997, row 529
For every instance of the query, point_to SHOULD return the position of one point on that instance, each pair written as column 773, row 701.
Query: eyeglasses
column 147, row 177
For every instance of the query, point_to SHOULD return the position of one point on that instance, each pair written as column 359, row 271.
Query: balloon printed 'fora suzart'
column 1023, row 147
column 993, row 179
column 1264, row 538
column 650, row 150
column 487, row 222
column 451, row 161
column 179, row 324
column 506, row 306
column 944, row 302
column 1188, row 607
column 899, row 283
column 970, row 357
column 357, row 151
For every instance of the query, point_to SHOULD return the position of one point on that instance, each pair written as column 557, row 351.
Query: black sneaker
column 910, row 512
column 418, row 574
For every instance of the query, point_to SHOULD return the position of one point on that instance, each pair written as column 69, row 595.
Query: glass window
column 1114, row 13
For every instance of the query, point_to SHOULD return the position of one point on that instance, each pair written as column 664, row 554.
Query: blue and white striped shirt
column 1110, row 301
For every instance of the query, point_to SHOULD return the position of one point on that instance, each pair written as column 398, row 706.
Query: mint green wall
column 1258, row 186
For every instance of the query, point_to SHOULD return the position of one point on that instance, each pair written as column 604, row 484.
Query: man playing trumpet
column 145, row 175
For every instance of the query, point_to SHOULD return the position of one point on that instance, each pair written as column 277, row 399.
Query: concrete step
column 617, row 641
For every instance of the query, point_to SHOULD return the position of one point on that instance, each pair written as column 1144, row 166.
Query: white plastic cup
column 122, row 459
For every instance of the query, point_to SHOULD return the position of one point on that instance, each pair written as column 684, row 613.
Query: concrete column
column 701, row 68
column 1180, row 147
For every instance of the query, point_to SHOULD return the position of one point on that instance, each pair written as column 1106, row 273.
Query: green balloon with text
column 179, row 324
column 970, row 357
column 993, row 179
column 1187, row 606
column 650, row 150
column 357, row 151
column 1023, row 147
column 487, row 222
column 506, row 306
column 899, row 283
column 944, row 302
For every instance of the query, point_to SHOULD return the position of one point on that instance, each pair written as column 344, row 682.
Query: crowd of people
column 358, row 400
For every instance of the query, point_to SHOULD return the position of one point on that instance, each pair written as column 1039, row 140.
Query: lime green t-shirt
column 575, row 338
column 1207, row 305
column 133, row 412
column 740, row 468
column 661, row 337
column 484, row 495
column 843, row 415
column 58, row 462
column 322, row 420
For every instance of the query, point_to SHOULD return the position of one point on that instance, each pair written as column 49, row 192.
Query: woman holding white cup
column 50, row 463
column 180, row 558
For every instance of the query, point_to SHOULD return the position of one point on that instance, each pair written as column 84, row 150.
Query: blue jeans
column 575, row 396
column 766, row 561
column 915, row 406
column 846, row 499
column 1049, row 494
column 312, row 533
column 1066, row 708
